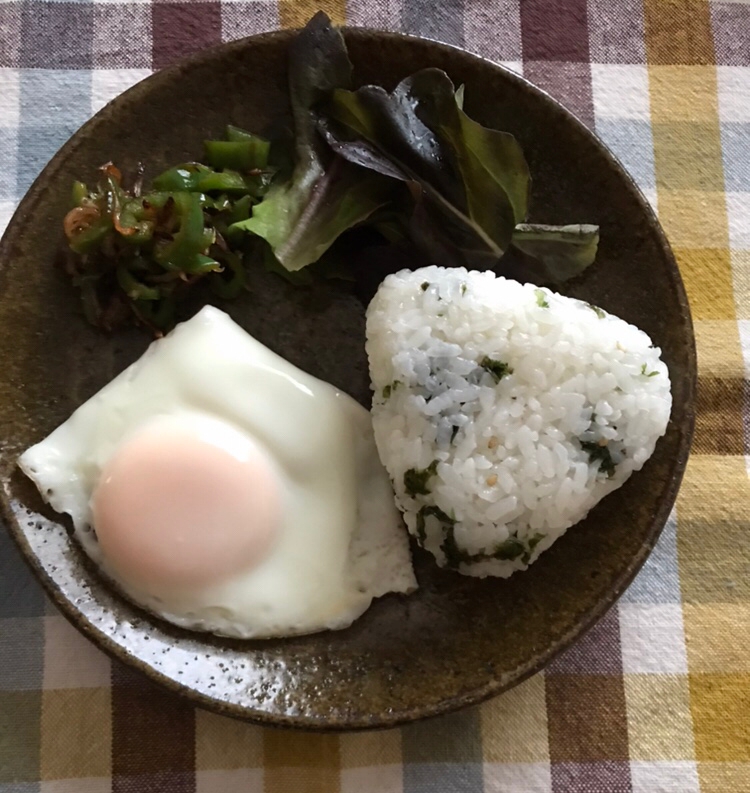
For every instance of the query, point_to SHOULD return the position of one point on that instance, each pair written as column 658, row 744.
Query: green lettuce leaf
column 300, row 218
column 409, row 163
column 469, row 184
column 491, row 163
column 555, row 254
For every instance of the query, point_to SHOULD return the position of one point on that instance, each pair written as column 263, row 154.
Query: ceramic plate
column 458, row 640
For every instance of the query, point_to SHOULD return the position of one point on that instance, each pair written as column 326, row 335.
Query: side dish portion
column 504, row 412
column 225, row 490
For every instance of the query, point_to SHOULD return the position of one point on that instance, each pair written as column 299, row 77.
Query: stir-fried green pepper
column 240, row 155
column 240, row 210
column 186, row 250
column 225, row 182
column 196, row 178
column 237, row 134
column 133, row 288
column 181, row 177
column 136, row 223
column 79, row 193
column 89, row 236
column 136, row 253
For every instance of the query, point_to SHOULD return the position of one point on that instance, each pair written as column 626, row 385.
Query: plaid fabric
column 657, row 696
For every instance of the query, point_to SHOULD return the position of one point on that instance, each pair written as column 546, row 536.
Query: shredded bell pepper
column 240, row 210
column 85, row 228
column 237, row 134
column 139, row 253
column 246, row 154
column 79, row 193
column 181, row 177
column 133, row 288
column 186, row 251
column 225, row 182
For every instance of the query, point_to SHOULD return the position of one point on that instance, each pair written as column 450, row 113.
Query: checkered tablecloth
column 657, row 697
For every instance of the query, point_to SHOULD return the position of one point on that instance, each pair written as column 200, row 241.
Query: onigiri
column 504, row 412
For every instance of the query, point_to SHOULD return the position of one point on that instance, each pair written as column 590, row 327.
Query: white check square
column 514, row 66
column 106, row 84
column 7, row 208
column 733, row 83
column 652, row 638
column 679, row 776
column 738, row 214
column 620, row 91
column 743, row 326
column 10, row 98
column 517, row 777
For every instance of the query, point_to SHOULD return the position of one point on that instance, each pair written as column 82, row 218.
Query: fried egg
column 225, row 490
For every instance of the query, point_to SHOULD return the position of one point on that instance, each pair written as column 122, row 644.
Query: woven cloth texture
column 656, row 698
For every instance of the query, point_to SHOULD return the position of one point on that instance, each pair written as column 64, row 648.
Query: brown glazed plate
column 458, row 640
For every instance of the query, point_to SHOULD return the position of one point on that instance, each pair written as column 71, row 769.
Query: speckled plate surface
column 458, row 640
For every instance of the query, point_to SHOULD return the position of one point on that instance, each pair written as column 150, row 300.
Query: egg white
column 341, row 542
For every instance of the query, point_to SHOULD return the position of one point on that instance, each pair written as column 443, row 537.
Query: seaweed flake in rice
column 504, row 412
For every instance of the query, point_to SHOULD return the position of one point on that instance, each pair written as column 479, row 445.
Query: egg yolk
column 182, row 508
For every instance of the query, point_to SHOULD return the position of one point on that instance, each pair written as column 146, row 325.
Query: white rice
column 509, row 473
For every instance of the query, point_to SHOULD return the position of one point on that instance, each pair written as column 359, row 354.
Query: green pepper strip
column 154, row 200
column 185, row 251
column 181, row 177
column 226, row 182
column 205, row 264
column 241, row 210
column 241, row 155
column 132, row 217
column 80, row 191
column 209, row 238
column 257, row 184
column 113, row 195
column 221, row 203
column 90, row 238
column 237, row 134
column 133, row 288
column 123, row 212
